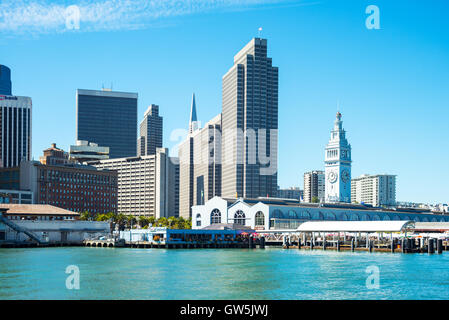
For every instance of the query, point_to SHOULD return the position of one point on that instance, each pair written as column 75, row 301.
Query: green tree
column 315, row 200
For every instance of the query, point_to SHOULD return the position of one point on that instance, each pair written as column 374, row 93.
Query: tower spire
column 193, row 123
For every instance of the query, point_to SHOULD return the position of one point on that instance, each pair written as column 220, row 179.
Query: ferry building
column 274, row 213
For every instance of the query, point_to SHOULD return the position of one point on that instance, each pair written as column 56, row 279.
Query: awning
column 355, row 226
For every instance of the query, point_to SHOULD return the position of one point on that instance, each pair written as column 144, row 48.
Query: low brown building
column 36, row 212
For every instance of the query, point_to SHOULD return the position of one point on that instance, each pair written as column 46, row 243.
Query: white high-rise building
column 314, row 186
column 338, row 165
column 377, row 190
column 15, row 130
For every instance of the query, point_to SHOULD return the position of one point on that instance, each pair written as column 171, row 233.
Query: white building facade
column 338, row 165
column 282, row 214
column 377, row 190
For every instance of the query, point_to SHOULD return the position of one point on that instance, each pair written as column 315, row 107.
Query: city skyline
column 392, row 94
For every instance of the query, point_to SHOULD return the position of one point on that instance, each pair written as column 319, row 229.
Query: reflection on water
column 118, row 273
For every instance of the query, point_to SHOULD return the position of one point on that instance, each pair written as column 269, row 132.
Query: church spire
column 193, row 123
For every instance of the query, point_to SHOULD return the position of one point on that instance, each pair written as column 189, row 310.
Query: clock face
column 332, row 176
column 345, row 175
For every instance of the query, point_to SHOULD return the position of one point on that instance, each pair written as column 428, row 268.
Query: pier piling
column 262, row 243
column 440, row 246
column 430, row 247
column 352, row 245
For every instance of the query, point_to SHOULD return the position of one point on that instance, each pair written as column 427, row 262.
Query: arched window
column 364, row 217
column 376, row 217
column 278, row 214
column 396, row 217
column 434, row 220
column 215, row 216
column 353, row 217
column 292, row 214
column 239, row 217
column 329, row 216
column 316, row 215
column 417, row 219
column 260, row 218
column 198, row 220
column 344, row 217
column 386, row 217
column 406, row 218
column 425, row 219
column 304, row 215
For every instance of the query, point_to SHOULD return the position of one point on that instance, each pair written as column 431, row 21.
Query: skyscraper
column 151, row 129
column 249, row 124
column 5, row 80
column 199, row 163
column 108, row 119
column 338, row 165
column 314, row 186
column 15, row 130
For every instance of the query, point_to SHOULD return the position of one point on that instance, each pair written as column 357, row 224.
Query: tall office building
column 5, row 81
column 338, row 165
column 109, row 119
column 147, row 185
column 150, row 132
column 376, row 190
column 249, row 124
column 15, row 130
column 199, row 163
column 314, row 186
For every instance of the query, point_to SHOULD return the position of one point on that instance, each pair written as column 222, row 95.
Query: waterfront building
column 5, row 81
column 46, row 224
column 281, row 214
column 150, row 132
column 15, row 130
column 147, row 185
column 16, row 196
column 54, row 156
column 376, row 190
column 314, row 186
column 73, row 187
column 199, row 161
column 250, row 123
column 338, row 165
column 290, row 193
column 85, row 151
column 109, row 119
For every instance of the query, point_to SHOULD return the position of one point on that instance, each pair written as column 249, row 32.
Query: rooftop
column 35, row 209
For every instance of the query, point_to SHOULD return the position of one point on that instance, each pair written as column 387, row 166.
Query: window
column 292, row 214
column 215, row 216
column 239, row 217
column 260, row 218
column 278, row 214
column 198, row 220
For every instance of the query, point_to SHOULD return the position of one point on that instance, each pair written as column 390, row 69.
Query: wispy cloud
column 38, row 17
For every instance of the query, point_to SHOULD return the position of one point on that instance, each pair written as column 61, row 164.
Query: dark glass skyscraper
column 109, row 119
column 5, row 80
column 150, row 132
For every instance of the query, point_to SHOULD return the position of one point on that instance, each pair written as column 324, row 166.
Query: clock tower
column 338, row 165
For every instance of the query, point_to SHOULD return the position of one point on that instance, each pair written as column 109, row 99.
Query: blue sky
column 392, row 83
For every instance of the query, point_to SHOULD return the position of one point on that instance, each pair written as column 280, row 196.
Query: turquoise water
column 119, row 273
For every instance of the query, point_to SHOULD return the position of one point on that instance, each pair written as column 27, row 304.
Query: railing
column 20, row 229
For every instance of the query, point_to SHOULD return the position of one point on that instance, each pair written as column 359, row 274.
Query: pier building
column 273, row 213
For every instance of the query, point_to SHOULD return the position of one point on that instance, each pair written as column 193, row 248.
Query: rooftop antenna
column 259, row 31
